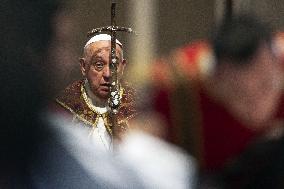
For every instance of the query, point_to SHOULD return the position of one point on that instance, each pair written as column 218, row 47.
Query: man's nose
column 107, row 72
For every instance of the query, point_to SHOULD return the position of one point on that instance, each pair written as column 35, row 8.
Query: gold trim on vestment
column 93, row 108
column 75, row 100
column 77, row 116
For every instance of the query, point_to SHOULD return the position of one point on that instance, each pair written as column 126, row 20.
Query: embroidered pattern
column 74, row 99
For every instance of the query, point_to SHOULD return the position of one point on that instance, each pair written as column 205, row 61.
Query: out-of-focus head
column 238, row 39
column 247, row 68
column 278, row 46
column 95, row 64
column 26, row 32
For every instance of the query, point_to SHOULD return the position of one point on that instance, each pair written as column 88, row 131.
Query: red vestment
column 195, row 120
column 72, row 102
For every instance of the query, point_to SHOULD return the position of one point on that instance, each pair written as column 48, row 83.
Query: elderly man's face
column 95, row 67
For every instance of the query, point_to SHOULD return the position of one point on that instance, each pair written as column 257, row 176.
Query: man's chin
column 103, row 95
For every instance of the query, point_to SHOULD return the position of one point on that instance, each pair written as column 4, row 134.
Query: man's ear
column 124, row 61
column 83, row 66
column 123, row 64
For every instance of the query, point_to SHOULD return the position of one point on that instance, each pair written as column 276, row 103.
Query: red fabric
column 162, row 106
column 193, row 50
column 223, row 136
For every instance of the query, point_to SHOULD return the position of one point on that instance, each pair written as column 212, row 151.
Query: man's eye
column 99, row 65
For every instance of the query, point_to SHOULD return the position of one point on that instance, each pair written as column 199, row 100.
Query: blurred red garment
column 196, row 120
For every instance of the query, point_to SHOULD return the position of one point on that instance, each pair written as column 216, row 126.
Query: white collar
column 99, row 105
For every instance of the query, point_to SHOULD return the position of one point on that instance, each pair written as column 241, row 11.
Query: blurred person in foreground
column 261, row 164
column 26, row 31
column 86, row 101
column 217, row 113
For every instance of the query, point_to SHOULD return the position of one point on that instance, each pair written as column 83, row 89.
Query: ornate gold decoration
column 75, row 100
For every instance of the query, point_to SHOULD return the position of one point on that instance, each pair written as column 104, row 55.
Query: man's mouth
column 105, row 86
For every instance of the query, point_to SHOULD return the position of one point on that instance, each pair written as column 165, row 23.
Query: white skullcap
column 101, row 37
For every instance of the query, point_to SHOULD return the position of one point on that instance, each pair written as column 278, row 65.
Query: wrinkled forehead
column 100, row 48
